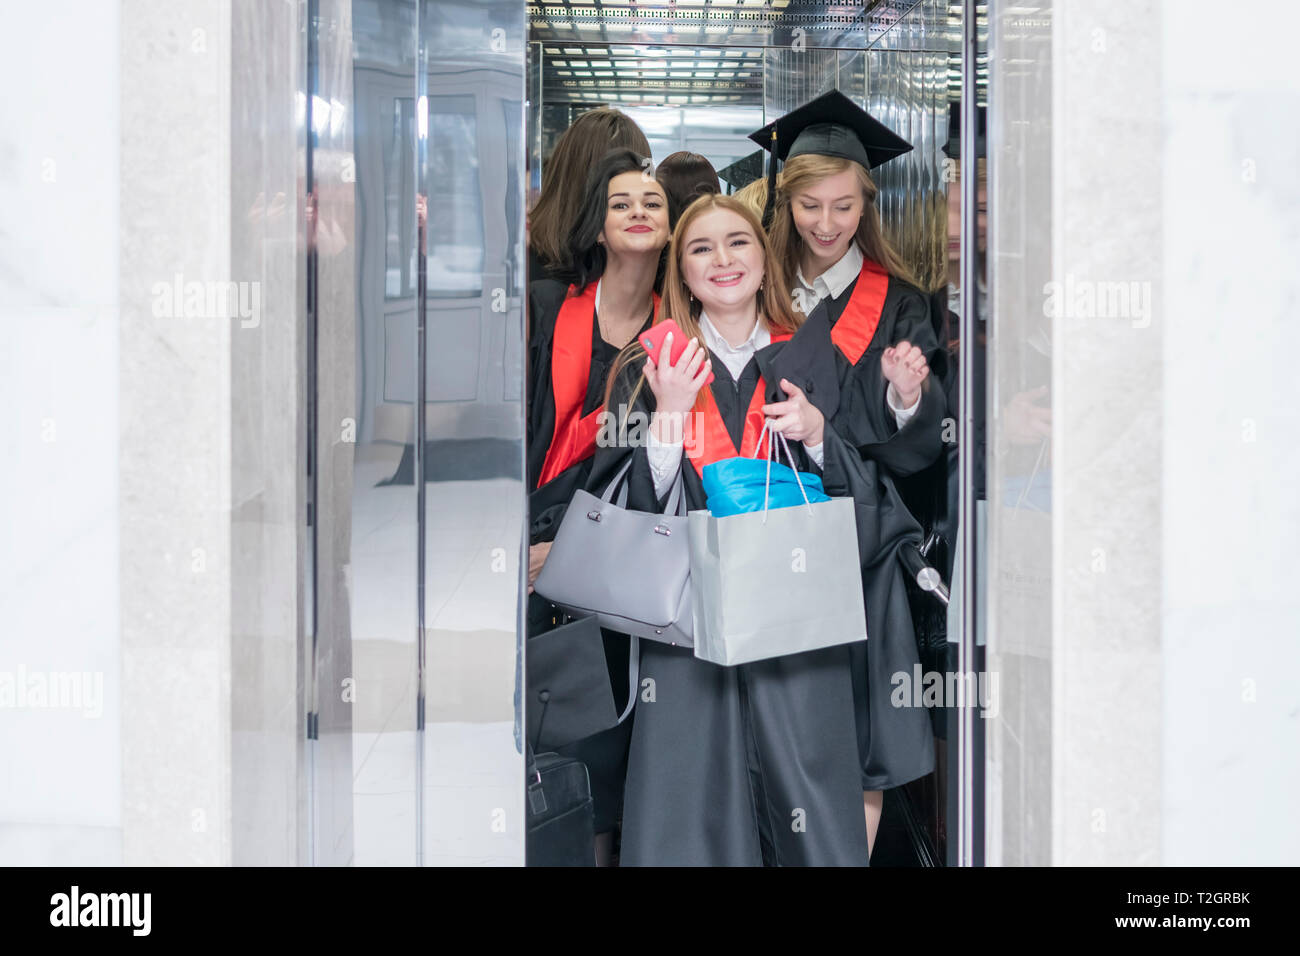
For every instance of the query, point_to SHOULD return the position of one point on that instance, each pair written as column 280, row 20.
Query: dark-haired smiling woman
column 552, row 220
column 576, row 330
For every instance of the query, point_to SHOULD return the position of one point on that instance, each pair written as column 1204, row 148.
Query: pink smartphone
column 652, row 340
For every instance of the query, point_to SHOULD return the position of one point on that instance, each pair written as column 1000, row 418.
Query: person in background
column 746, row 182
column 685, row 177
column 578, row 326
column 564, row 179
column 754, row 196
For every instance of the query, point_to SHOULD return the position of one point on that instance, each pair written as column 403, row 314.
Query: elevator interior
column 429, row 124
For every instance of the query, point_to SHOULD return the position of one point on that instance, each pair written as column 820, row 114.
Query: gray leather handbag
column 631, row 569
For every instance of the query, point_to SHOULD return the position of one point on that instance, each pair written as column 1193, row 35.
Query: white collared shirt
column 734, row 357
column 831, row 285
column 665, row 457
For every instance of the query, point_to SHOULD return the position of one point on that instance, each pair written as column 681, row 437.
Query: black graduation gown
column 931, row 495
column 864, row 417
column 757, row 763
column 895, row 744
column 546, row 505
column 605, row 754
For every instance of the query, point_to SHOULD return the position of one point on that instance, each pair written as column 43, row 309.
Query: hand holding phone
column 652, row 340
column 675, row 369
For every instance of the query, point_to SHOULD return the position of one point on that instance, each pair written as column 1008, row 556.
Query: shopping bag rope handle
column 768, row 432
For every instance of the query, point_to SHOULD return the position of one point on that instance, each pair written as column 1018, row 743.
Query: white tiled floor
column 473, row 798
column 473, row 795
column 473, row 788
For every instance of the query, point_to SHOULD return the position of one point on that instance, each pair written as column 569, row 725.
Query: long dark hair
column 565, row 173
column 685, row 177
column 584, row 258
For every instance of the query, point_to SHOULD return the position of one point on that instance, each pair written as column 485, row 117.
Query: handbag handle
column 616, row 491
column 614, row 484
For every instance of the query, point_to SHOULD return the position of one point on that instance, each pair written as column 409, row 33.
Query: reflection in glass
column 399, row 181
column 364, row 160
column 472, row 776
column 705, row 101
column 719, row 133
column 1020, row 574
column 456, row 244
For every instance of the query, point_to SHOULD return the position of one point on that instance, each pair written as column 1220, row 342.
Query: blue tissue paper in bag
column 735, row 486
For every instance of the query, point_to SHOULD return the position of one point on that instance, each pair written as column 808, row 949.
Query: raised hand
column 904, row 366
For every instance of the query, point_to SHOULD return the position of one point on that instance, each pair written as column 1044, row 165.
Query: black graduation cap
column 743, row 171
column 952, row 149
column 830, row 125
column 569, row 694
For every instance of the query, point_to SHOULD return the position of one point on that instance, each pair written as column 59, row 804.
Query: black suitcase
column 561, row 824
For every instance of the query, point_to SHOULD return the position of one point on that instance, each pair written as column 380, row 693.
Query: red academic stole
column 575, row 434
column 857, row 324
column 707, row 439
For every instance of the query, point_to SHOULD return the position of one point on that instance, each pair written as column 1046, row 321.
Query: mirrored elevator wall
column 472, row 176
column 415, row 327
column 1022, row 577
column 923, row 74
column 913, row 73
column 416, row 174
column 679, row 72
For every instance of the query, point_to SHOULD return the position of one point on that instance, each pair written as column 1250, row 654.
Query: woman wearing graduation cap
column 853, row 287
column 576, row 329
column 757, row 763
column 828, row 237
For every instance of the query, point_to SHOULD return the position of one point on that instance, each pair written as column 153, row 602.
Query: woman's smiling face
column 826, row 216
column 721, row 260
column 636, row 215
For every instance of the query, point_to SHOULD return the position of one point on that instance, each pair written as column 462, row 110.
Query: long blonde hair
column 774, row 306
column 803, row 172
column 755, row 195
